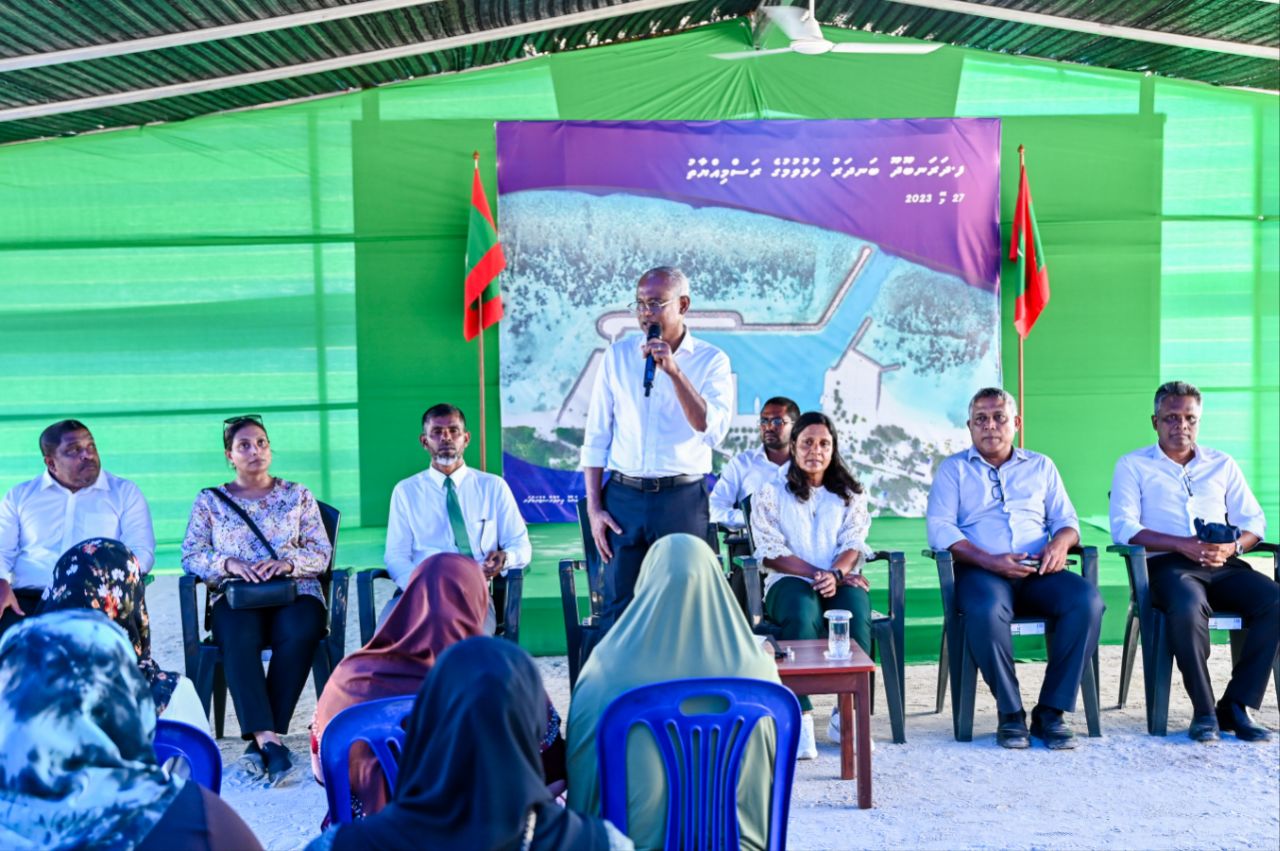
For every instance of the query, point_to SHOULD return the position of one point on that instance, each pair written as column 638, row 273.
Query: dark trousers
column 292, row 632
column 28, row 601
column 798, row 611
column 645, row 516
column 990, row 602
column 1187, row 593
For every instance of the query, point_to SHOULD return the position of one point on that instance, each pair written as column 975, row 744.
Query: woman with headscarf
column 102, row 574
column 445, row 601
column 683, row 623
column 470, row 774
column 809, row 528
column 77, row 764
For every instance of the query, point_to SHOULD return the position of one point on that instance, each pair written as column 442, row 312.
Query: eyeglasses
column 232, row 422
column 1186, row 482
column 776, row 422
column 997, row 492
column 641, row 306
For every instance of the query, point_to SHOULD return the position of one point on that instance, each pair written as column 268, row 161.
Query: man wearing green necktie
column 451, row 507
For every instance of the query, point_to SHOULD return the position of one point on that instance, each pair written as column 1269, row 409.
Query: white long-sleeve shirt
column 1152, row 491
column 651, row 437
column 816, row 530
column 40, row 520
column 745, row 474
column 418, row 523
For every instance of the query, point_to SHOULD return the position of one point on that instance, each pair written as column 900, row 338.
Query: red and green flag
column 482, row 301
column 1025, row 247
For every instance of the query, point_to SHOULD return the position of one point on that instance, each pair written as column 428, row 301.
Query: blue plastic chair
column 377, row 724
column 174, row 738
column 702, row 811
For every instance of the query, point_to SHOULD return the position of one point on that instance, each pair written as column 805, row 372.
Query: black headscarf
column 104, row 575
column 470, row 775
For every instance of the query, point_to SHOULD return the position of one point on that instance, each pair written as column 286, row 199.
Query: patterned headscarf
column 103, row 574
column 77, row 764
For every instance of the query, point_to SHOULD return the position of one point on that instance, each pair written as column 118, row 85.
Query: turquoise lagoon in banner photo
column 889, row 348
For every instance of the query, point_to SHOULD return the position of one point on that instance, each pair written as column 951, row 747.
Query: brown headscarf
column 445, row 601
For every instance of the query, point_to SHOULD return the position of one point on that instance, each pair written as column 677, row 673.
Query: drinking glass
column 838, row 634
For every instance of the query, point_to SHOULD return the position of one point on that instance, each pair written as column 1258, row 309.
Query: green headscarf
column 684, row 622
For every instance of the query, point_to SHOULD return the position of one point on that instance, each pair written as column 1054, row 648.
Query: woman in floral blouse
column 219, row 546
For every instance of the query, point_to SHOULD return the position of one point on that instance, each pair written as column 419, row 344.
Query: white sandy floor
column 1124, row 790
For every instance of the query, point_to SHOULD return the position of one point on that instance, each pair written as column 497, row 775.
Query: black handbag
column 243, row 594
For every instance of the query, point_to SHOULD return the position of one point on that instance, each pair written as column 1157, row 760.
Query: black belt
column 655, row 485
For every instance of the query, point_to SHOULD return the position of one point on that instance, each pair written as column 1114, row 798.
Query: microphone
column 649, row 365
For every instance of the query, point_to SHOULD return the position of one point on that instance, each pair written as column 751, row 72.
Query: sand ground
column 1124, row 790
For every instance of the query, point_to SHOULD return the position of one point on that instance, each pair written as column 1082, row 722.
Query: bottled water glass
column 838, row 634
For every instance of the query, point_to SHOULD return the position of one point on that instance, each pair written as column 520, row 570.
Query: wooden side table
column 810, row 672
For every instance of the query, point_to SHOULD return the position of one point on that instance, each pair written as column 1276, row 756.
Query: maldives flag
column 1024, row 246
column 481, row 301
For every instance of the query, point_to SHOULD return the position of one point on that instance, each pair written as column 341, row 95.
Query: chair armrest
column 509, row 587
column 1274, row 549
column 339, row 587
column 1125, row 549
column 751, row 581
column 946, row 578
column 1088, row 563
column 190, row 618
column 1135, row 562
column 365, row 601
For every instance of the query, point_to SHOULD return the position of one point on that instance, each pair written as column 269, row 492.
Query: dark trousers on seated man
column 28, row 601
column 989, row 602
column 646, row 515
column 1187, row 592
column 798, row 611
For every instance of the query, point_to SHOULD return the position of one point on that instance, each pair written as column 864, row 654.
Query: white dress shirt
column 40, row 520
column 745, row 474
column 1152, row 491
column 816, row 530
column 418, row 523
column 1014, row 508
column 650, row 437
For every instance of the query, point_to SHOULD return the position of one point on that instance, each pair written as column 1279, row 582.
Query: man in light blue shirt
column 1006, row 518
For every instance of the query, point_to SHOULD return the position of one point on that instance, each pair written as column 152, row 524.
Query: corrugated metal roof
column 31, row 27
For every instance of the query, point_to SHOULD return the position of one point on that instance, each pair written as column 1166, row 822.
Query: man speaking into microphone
column 655, row 441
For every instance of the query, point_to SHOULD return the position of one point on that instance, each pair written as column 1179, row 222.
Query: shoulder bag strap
column 248, row 521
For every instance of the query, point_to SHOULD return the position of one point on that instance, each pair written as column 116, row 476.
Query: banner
column 852, row 266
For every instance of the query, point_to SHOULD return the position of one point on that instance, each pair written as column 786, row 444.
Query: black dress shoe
column 1204, row 728
column 1234, row 717
column 1012, row 732
column 279, row 764
column 1048, row 726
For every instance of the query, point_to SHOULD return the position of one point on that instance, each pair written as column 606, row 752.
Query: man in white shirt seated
column 451, row 508
column 72, row 500
column 747, row 471
column 1157, row 494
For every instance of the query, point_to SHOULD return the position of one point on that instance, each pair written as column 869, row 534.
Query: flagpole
column 484, row 454
column 1022, row 396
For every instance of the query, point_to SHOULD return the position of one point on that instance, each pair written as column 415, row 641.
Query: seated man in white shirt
column 451, row 508
column 1157, row 494
column 73, row 499
column 748, row 471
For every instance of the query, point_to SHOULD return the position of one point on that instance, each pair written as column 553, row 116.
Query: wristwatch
column 1239, row 548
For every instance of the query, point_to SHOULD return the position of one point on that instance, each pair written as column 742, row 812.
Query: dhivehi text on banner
column 852, row 266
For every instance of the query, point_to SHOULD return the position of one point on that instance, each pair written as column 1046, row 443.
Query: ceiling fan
column 801, row 27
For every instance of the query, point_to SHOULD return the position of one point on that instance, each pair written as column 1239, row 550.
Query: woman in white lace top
column 809, row 530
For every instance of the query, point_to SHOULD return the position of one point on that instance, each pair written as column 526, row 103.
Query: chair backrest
column 702, row 809
column 332, row 519
column 377, row 724
column 195, row 746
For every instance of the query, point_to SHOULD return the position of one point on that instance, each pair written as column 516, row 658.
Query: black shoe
column 279, row 763
column 1204, row 728
column 1233, row 717
column 1047, row 725
column 251, row 761
column 1012, row 732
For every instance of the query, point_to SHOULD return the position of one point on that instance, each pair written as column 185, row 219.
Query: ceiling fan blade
column 795, row 22
column 751, row 54
column 868, row 47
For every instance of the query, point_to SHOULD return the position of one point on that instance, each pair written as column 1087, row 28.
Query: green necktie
column 461, row 539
